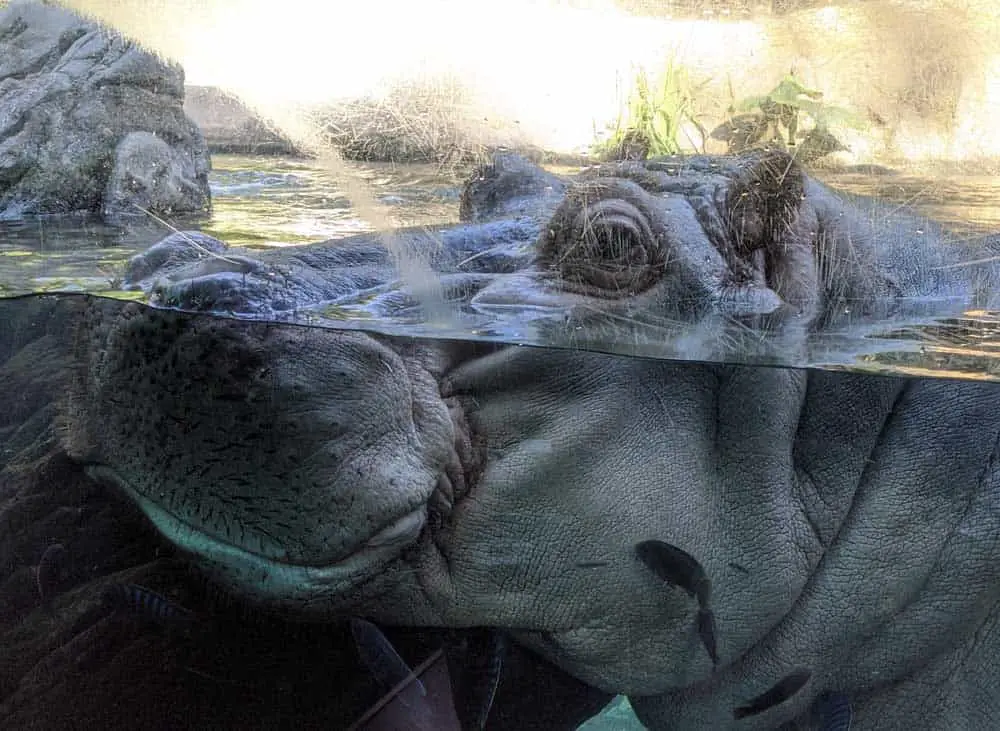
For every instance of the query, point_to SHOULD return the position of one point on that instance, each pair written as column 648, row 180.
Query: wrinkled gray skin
column 848, row 523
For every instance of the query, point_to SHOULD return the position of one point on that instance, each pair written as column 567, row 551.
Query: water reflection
column 957, row 347
column 268, row 204
column 258, row 203
column 265, row 202
column 71, row 253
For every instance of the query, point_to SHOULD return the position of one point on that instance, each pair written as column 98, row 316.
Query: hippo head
column 299, row 464
column 835, row 530
column 674, row 240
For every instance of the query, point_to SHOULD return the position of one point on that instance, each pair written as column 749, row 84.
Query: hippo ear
column 764, row 199
column 505, row 178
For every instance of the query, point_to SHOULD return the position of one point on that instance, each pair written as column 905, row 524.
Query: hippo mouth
column 268, row 577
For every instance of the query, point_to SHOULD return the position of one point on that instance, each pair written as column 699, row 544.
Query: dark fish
column 147, row 604
column 381, row 658
column 785, row 689
column 676, row 567
column 476, row 675
column 832, row 712
column 680, row 568
column 706, row 631
column 48, row 573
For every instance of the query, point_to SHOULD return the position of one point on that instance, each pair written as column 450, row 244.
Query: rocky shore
column 91, row 122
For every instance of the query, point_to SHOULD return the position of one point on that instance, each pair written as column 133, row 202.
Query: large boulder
column 89, row 121
column 230, row 126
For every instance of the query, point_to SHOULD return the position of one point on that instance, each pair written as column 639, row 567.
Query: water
column 834, row 524
column 266, row 204
column 569, row 450
column 258, row 203
column 262, row 202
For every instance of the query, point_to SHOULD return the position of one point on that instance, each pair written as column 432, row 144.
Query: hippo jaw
column 265, row 578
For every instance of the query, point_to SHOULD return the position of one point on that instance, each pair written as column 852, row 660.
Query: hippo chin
column 818, row 532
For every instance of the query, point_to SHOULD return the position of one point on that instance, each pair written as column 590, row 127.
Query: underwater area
column 667, row 408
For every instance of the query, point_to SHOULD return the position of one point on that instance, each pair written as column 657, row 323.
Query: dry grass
column 430, row 121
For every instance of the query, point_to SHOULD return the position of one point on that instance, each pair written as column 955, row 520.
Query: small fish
column 706, row 631
column 477, row 676
column 832, row 712
column 591, row 564
column 680, row 568
column 677, row 567
column 781, row 692
column 381, row 658
column 48, row 573
column 147, row 604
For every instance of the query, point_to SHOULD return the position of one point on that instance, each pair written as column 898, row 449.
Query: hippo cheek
column 292, row 462
column 592, row 455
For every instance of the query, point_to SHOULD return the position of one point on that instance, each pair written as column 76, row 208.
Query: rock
column 230, row 126
column 148, row 173
column 89, row 121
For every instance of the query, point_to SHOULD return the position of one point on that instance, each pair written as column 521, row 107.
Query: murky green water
column 266, row 203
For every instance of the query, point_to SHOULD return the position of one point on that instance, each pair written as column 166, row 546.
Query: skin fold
column 846, row 524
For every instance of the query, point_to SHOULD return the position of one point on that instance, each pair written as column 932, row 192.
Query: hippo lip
column 271, row 576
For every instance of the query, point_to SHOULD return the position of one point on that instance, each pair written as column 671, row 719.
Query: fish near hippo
column 846, row 523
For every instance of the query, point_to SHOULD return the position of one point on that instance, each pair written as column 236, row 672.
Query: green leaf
column 751, row 103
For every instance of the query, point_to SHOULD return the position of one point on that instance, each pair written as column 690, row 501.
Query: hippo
column 68, row 543
column 680, row 257
column 730, row 546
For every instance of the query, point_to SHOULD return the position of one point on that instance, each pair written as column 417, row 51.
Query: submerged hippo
column 670, row 239
column 727, row 545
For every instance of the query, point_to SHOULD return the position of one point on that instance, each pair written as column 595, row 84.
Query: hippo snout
column 283, row 458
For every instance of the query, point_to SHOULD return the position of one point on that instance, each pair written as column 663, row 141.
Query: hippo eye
column 609, row 249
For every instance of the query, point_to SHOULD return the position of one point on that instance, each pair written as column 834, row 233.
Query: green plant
column 773, row 119
column 781, row 107
column 654, row 117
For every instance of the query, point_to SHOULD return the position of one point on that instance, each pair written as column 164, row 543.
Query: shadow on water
column 267, row 203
